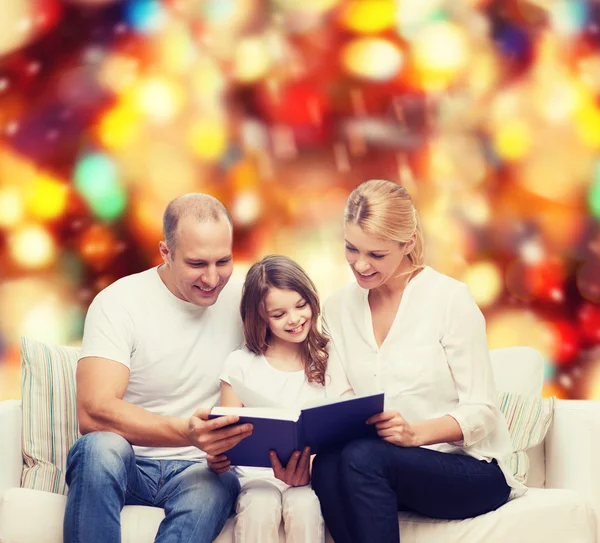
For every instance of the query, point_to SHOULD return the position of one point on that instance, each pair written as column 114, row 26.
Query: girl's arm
column 228, row 396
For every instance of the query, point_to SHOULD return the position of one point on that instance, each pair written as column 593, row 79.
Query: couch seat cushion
column 540, row 516
column 19, row 505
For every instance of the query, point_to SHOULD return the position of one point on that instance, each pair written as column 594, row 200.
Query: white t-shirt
column 174, row 350
column 286, row 389
column 433, row 362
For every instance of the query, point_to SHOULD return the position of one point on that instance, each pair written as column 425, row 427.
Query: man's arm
column 101, row 385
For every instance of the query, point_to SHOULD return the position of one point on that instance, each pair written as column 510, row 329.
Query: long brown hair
column 281, row 272
column 385, row 210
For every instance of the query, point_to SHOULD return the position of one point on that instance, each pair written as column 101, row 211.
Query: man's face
column 203, row 261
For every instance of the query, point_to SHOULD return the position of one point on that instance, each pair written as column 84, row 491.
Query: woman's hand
column 219, row 463
column 297, row 471
column 392, row 427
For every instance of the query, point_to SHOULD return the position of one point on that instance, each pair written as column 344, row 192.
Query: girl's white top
column 434, row 362
column 285, row 389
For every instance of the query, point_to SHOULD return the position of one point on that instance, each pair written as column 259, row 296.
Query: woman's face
column 373, row 260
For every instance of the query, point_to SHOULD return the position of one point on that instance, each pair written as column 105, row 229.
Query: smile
column 363, row 276
column 298, row 329
column 206, row 289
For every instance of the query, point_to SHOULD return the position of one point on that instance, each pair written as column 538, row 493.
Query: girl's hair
column 385, row 210
column 281, row 272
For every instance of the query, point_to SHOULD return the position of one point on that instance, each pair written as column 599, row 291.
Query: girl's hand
column 219, row 463
column 297, row 471
column 392, row 427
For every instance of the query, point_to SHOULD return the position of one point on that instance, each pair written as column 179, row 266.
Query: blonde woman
column 417, row 335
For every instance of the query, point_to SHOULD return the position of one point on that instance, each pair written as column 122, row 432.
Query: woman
column 417, row 335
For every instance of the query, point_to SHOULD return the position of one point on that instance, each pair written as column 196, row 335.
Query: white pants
column 261, row 506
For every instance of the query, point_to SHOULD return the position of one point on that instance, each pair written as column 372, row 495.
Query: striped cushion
column 49, row 413
column 528, row 419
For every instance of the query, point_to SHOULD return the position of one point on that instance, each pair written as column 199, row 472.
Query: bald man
column 153, row 348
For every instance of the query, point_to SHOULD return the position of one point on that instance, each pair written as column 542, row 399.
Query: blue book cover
column 286, row 430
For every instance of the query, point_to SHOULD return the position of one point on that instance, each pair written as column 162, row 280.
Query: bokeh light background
column 487, row 111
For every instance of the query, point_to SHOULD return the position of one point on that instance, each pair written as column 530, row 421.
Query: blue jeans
column 363, row 485
column 104, row 474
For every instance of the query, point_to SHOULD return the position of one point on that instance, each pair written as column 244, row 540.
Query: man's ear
column 164, row 250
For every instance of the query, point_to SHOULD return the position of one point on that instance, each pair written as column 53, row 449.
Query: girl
column 285, row 360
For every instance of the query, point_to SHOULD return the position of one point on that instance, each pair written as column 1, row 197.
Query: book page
column 249, row 397
column 328, row 401
column 259, row 412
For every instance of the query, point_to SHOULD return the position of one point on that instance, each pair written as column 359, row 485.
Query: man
column 153, row 347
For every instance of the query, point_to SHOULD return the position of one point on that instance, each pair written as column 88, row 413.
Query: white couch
column 564, row 510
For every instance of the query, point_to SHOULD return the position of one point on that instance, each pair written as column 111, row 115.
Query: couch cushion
column 528, row 419
column 18, row 506
column 539, row 516
column 49, row 413
column 520, row 370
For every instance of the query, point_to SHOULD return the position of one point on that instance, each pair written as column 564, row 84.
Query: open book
column 319, row 425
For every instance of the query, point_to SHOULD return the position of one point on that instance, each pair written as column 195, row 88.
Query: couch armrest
column 11, row 463
column 572, row 448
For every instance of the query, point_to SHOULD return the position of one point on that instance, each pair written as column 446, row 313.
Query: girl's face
column 289, row 314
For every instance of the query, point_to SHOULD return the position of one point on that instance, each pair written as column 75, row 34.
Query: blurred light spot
column 252, row 59
column 532, row 251
column 47, row 198
column 32, row 247
column 413, row 16
column 246, row 208
column 440, row 48
column 372, row 58
column 594, row 193
column 160, row 99
column 557, row 98
column 512, row 139
column 568, row 17
column 588, row 125
column 308, row 6
column 96, row 179
column 119, row 127
column 176, row 50
column 484, row 281
column 208, row 138
column 11, row 207
column 369, row 16
column 145, row 16
column 97, row 246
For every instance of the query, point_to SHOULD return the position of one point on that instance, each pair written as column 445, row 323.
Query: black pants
column 362, row 487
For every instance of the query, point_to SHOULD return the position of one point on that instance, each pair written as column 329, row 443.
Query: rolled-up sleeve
column 464, row 341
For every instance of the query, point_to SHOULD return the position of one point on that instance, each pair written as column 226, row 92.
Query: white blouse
column 434, row 362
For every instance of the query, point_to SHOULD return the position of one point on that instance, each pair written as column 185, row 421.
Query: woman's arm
column 465, row 344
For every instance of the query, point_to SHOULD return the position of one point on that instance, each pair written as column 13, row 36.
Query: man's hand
column 392, row 427
column 219, row 464
column 218, row 435
column 297, row 471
